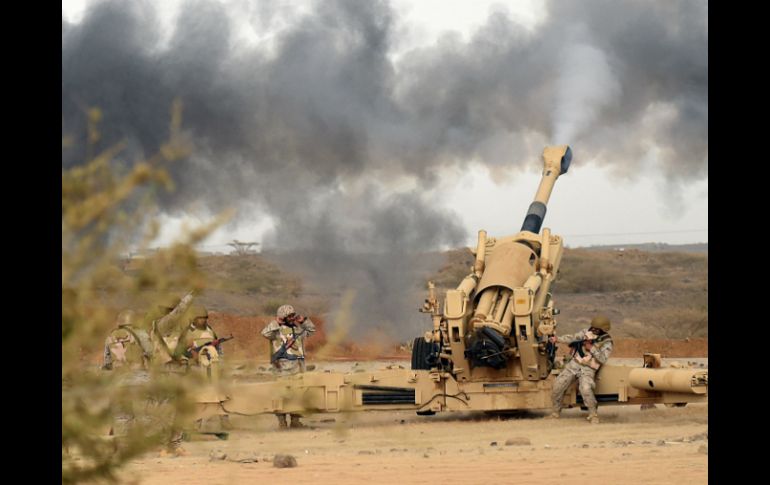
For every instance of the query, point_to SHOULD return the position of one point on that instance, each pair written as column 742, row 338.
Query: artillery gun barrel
column 556, row 160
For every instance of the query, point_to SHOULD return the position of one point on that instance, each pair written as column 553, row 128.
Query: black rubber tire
column 420, row 351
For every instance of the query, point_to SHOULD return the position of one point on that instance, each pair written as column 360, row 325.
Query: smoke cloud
column 321, row 127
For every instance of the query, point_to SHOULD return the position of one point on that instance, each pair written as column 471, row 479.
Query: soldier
column 127, row 350
column 127, row 346
column 197, row 334
column 589, row 354
column 166, row 327
column 287, row 335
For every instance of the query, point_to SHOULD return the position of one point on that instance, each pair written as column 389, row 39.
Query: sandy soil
column 630, row 446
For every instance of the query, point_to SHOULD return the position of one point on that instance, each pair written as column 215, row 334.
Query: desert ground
column 630, row 446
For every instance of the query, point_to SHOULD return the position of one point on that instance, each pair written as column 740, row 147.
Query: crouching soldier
column 591, row 348
column 287, row 334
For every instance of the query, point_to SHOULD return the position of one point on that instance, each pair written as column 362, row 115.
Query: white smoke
column 585, row 85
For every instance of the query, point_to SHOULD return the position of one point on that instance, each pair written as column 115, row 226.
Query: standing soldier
column 591, row 349
column 127, row 350
column 198, row 333
column 287, row 335
column 207, row 357
column 166, row 327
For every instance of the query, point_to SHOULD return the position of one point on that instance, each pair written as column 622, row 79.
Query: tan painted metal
column 671, row 380
column 551, row 170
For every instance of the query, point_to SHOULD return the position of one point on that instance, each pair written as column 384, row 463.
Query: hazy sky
column 599, row 201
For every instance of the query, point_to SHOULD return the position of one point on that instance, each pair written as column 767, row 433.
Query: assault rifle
column 282, row 353
column 577, row 345
column 194, row 350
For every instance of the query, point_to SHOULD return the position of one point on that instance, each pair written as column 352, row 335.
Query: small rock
column 517, row 442
column 547, row 447
column 425, row 455
column 284, row 461
column 394, row 449
column 626, row 454
column 216, row 455
column 494, row 443
column 403, row 421
column 704, row 449
column 359, row 370
column 329, row 420
column 661, row 443
column 365, row 452
column 585, row 445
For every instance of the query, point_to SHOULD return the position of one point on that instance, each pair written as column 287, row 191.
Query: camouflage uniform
column 166, row 327
column 207, row 359
column 281, row 331
column 198, row 333
column 127, row 346
column 165, row 324
column 582, row 369
column 127, row 352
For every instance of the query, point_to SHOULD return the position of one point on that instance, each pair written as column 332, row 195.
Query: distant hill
column 653, row 291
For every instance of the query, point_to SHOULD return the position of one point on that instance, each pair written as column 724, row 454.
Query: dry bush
column 105, row 205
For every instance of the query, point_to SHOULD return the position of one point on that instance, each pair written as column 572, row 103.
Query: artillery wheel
column 421, row 350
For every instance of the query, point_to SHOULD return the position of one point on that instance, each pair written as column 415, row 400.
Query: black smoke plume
column 315, row 124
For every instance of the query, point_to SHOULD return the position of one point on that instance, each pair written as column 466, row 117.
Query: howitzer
column 194, row 350
column 489, row 347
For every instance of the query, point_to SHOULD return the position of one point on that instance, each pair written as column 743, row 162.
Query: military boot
column 282, row 421
column 593, row 418
column 295, row 422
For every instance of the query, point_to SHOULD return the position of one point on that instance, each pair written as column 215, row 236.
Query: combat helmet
column 284, row 311
column 601, row 322
column 126, row 318
column 197, row 311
